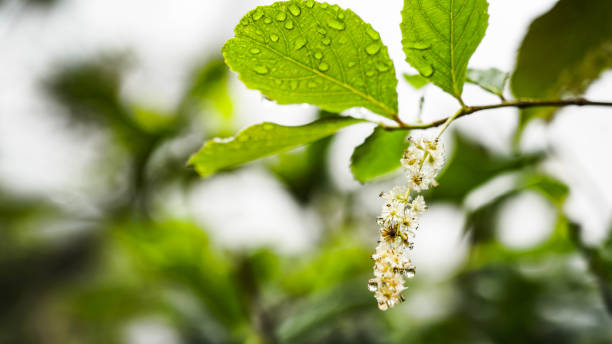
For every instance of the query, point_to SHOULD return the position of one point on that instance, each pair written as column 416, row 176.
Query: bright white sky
column 167, row 37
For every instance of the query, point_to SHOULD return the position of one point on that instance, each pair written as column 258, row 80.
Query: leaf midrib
column 325, row 76
column 452, row 47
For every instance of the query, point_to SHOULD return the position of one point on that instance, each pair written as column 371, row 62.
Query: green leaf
column 328, row 311
column 472, row 165
column 90, row 90
column 439, row 37
column 380, row 153
column 307, row 52
column 553, row 189
column 482, row 222
column 180, row 252
column 209, row 90
column 599, row 260
column 261, row 140
column 563, row 52
column 416, row 80
column 491, row 80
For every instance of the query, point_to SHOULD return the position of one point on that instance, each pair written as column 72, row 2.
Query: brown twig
column 521, row 104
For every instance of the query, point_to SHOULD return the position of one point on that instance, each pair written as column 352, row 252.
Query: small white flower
column 399, row 221
column 418, row 205
column 390, row 268
column 398, row 193
column 435, row 153
column 412, row 158
column 393, row 213
column 421, row 180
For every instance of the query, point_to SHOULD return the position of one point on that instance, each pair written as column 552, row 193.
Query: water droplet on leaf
column 382, row 67
column 258, row 14
column 254, row 51
column 318, row 55
column 267, row 20
column 323, row 67
column 295, row 10
column 340, row 15
column 274, row 38
column 370, row 73
column 418, row 45
column 281, row 16
column 321, row 30
column 261, row 69
column 373, row 34
column 299, row 43
column 289, row 25
column 373, row 49
column 336, row 24
column 310, row 3
column 426, row 70
column 326, row 41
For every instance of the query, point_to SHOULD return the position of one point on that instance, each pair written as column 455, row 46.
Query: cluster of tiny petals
column 422, row 161
column 398, row 223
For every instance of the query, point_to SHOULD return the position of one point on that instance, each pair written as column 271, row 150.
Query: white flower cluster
column 398, row 221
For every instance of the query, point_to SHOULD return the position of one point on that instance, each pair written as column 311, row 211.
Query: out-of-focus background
column 107, row 237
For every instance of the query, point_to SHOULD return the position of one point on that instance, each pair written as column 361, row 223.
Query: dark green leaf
column 379, row 154
column 553, row 189
column 261, row 140
column 600, row 262
column 481, row 222
column 563, row 52
column 308, row 52
column 471, row 165
column 439, row 37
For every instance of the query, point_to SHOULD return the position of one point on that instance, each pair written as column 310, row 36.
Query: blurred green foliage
column 132, row 261
column 471, row 165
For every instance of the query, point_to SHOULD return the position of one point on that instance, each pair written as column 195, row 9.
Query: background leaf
column 416, row 80
column 380, row 153
column 563, row 52
column 439, row 37
column 472, row 165
column 599, row 260
column 305, row 172
column 209, row 90
column 306, row 52
column 482, row 222
column 491, row 80
column 260, row 140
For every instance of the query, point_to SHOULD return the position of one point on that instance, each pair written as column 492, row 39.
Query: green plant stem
column 520, row 103
column 448, row 122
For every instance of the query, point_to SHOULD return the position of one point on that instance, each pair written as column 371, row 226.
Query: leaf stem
column 520, row 103
column 448, row 122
